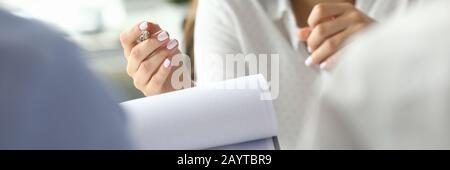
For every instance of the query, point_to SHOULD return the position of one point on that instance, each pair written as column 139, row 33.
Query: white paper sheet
column 209, row 117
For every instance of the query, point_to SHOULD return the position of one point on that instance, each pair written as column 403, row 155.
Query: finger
column 304, row 33
column 327, row 29
column 148, row 67
column 128, row 38
column 159, row 82
column 141, row 51
column 330, row 62
column 327, row 48
column 324, row 11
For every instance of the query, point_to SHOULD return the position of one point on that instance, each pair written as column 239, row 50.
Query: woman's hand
column 149, row 62
column 330, row 24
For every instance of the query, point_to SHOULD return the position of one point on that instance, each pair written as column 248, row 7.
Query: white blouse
column 267, row 27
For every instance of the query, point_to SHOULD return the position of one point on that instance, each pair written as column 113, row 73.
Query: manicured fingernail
column 172, row 44
column 323, row 66
column 308, row 61
column 309, row 50
column 162, row 36
column 143, row 26
column 166, row 63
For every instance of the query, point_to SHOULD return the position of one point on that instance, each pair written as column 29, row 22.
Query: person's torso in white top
column 267, row 27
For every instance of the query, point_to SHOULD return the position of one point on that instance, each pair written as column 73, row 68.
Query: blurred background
column 96, row 24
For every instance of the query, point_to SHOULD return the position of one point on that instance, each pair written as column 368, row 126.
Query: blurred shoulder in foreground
column 49, row 98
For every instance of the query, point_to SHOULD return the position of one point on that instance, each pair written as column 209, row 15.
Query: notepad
column 224, row 115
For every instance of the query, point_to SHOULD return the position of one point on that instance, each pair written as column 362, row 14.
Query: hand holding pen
column 148, row 50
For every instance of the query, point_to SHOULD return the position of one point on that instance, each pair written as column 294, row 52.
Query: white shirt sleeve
column 214, row 38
